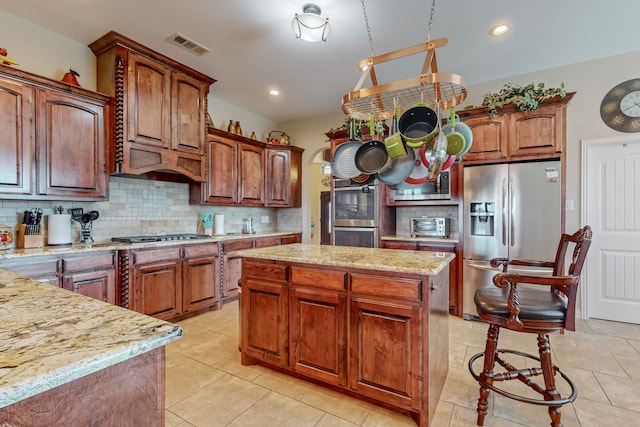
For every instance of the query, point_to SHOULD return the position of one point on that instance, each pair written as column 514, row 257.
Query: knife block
column 27, row 241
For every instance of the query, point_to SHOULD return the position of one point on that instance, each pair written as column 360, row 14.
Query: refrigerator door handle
column 513, row 214
column 504, row 212
column 484, row 267
column 526, row 271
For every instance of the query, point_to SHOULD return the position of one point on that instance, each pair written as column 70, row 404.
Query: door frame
column 586, row 145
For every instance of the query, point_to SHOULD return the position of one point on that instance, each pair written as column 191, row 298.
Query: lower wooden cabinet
column 90, row 273
column 232, row 266
column 455, row 278
column 172, row 282
column 365, row 333
column 93, row 275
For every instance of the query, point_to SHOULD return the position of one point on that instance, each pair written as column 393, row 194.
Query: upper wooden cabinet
column 53, row 141
column 160, row 109
column 517, row 135
column 283, row 177
column 242, row 171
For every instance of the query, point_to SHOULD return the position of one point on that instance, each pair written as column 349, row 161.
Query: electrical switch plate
column 265, row 219
column 569, row 205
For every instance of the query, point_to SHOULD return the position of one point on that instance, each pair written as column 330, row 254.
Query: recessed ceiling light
column 274, row 92
column 499, row 30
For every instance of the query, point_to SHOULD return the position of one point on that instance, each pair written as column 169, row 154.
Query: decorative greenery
column 524, row 97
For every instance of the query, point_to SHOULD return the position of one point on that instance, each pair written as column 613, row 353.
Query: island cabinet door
column 385, row 351
column 317, row 334
column 264, row 321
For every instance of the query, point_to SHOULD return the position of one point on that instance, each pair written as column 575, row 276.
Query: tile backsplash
column 144, row 207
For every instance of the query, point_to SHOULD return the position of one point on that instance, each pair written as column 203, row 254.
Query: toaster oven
column 429, row 227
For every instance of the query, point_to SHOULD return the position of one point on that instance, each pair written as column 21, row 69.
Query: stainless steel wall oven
column 354, row 213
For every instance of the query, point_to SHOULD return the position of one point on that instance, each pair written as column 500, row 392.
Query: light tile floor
column 207, row 385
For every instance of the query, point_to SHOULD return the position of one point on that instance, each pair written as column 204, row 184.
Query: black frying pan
column 371, row 156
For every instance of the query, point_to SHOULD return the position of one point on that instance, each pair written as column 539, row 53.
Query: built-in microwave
column 439, row 189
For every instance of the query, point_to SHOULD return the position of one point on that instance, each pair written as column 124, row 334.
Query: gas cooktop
column 161, row 238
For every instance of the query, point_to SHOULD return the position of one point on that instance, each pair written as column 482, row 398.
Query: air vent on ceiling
column 186, row 43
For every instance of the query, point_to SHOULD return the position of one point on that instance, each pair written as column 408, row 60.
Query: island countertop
column 401, row 261
column 51, row 336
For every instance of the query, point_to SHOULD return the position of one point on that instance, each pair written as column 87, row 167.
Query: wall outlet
column 265, row 219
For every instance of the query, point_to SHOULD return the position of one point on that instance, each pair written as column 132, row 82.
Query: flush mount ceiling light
column 499, row 30
column 310, row 26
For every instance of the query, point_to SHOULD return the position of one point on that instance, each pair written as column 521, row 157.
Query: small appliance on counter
column 429, row 227
column 248, row 226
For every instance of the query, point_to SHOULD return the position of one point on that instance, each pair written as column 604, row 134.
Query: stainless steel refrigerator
column 511, row 211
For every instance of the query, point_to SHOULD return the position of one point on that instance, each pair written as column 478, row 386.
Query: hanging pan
column 343, row 164
column 372, row 155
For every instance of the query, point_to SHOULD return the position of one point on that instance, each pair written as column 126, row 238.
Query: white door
column 611, row 206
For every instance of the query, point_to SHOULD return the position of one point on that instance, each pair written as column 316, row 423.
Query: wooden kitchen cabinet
column 157, row 282
column 514, row 135
column 45, row 269
column 70, row 139
column 245, row 172
column 391, row 329
column 318, row 313
column 17, row 136
column 231, row 270
column 173, row 282
column 201, row 265
column 54, row 145
column 455, row 278
column 264, row 301
column 369, row 333
column 160, row 109
column 92, row 275
column 235, row 174
column 251, row 183
column 283, row 177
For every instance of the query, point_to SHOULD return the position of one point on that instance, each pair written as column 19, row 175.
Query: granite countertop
column 401, row 261
column 51, row 336
column 76, row 248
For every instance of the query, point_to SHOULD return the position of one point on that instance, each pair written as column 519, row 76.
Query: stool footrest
column 522, row 375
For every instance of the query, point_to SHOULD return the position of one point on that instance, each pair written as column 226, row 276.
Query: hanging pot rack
column 383, row 100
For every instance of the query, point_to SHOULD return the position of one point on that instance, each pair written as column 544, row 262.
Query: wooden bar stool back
column 550, row 309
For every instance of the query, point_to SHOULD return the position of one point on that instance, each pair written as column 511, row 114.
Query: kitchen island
column 67, row 359
column 371, row 323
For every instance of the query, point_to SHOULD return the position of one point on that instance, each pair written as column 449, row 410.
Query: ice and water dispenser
column 482, row 221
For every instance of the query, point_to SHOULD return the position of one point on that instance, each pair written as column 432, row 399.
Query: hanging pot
column 417, row 125
column 394, row 143
column 455, row 140
column 465, row 130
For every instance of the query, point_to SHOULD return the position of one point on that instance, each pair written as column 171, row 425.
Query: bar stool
column 550, row 309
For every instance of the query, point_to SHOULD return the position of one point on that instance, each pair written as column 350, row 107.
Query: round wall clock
column 620, row 107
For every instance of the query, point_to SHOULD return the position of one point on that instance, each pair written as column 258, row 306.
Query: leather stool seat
column 534, row 305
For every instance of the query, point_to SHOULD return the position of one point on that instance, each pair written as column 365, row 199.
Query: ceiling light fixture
column 310, row 26
column 499, row 30
column 274, row 92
